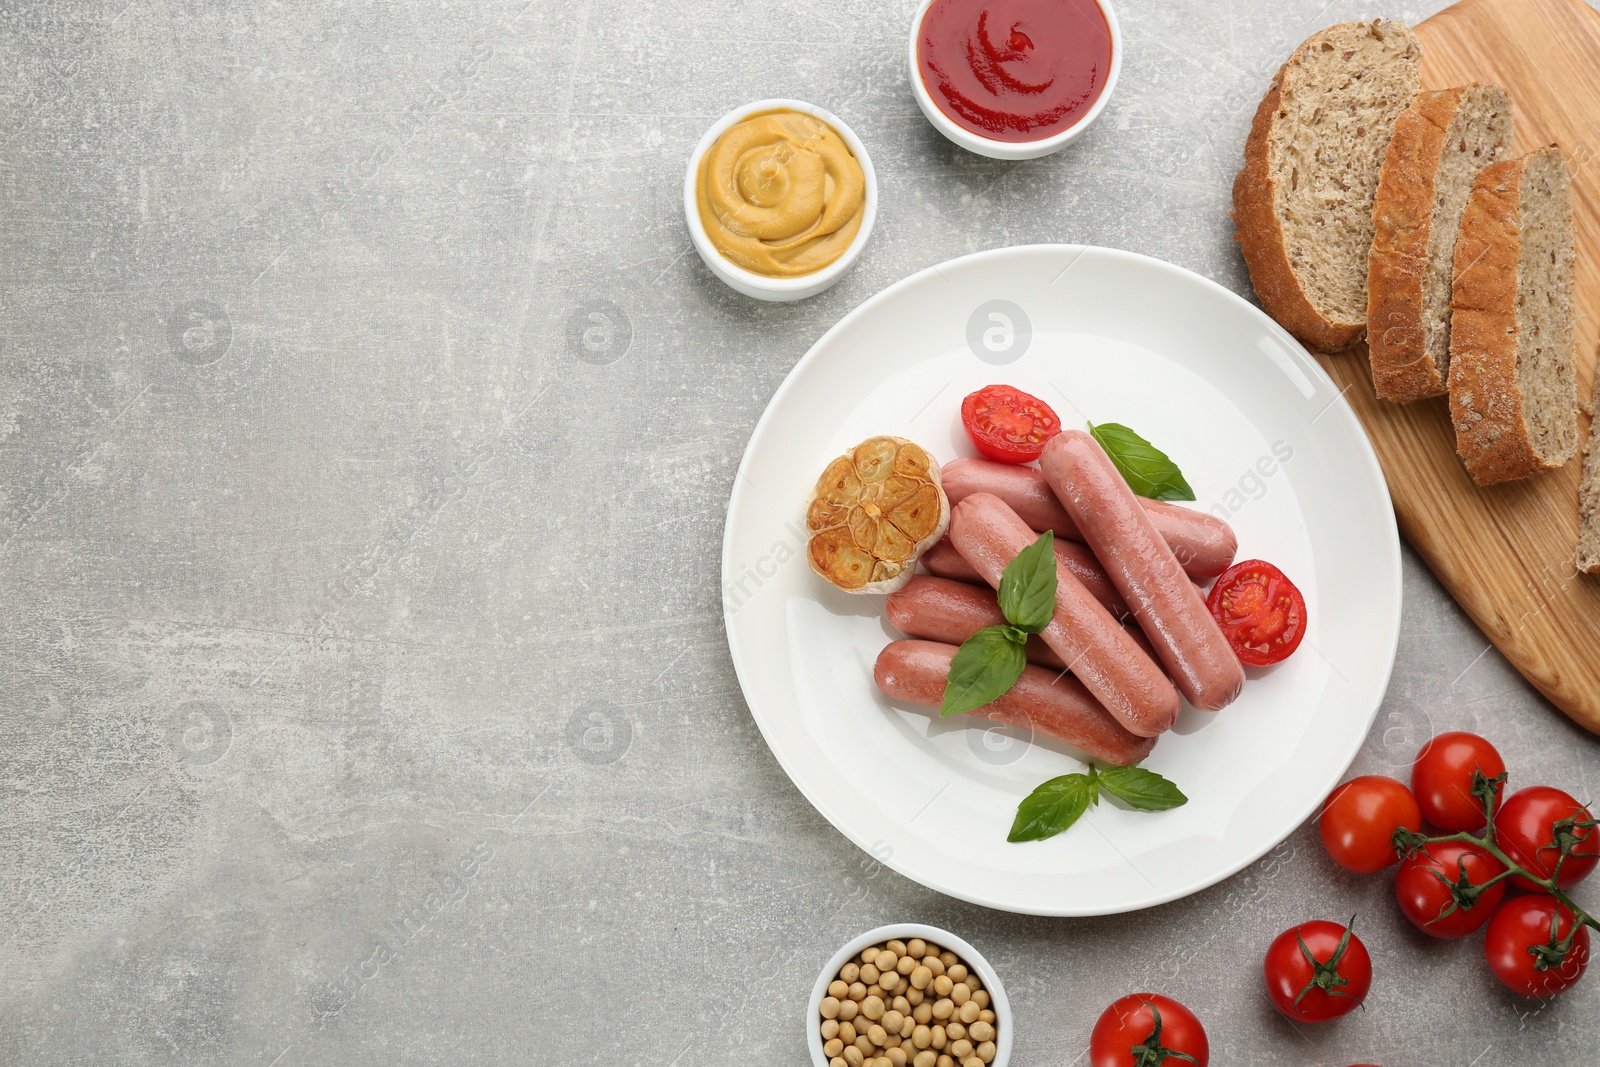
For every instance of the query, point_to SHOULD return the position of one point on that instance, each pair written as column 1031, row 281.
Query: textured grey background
column 363, row 691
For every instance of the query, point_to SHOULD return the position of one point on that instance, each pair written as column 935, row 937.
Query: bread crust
column 1259, row 233
column 1485, row 399
column 1258, row 230
column 1402, row 229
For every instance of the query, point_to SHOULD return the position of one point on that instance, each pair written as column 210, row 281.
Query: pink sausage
column 943, row 561
column 1049, row 703
column 939, row 609
column 1144, row 569
column 942, row 609
column 1108, row 662
column 1204, row 543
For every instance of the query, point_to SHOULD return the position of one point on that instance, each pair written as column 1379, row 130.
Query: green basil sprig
column 1060, row 802
column 1148, row 470
column 990, row 661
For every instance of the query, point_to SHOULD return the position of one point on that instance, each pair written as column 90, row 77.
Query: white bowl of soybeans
column 945, row 1006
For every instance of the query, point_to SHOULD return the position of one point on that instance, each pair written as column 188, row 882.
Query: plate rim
column 1366, row 456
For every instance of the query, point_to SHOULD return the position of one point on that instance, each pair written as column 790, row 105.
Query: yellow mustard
column 781, row 195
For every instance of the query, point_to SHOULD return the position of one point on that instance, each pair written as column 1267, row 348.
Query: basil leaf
column 1141, row 789
column 1028, row 586
column 1053, row 807
column 987, row 664
column 1146, row 468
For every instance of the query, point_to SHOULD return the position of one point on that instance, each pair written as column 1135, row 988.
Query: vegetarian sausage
column 1049, row 703
column 1203, row 543
column 1144, row 569
column 939, row 609
column 943, row 561
column 942, row 609
column 1108, row 662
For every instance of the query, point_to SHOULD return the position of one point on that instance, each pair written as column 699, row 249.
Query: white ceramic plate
column 1264, row 438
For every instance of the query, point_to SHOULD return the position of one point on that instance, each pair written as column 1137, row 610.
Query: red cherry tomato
column 1423, row 888
column 1130, row 1022
column 1525, row 828
column 1007, row 425
column 1314, row 975
column 1515, row 936
column 1260, row 611
column 1360, row 819
column 1441, row 779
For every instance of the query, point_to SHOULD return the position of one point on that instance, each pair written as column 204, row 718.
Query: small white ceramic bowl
column 1005, row 1028
column 985, row 146
column 757, row 285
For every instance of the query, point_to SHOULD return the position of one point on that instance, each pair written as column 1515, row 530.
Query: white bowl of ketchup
column 1014, row 79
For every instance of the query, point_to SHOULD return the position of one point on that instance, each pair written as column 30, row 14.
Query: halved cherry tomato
column 1441, row 889
column 1441, row 779
column 1260, row 611
column 1522, row 946
column 1360, row 818
column 1148, row 1028
column 1527, row 827
column 1317, row 971
column 1007, row 425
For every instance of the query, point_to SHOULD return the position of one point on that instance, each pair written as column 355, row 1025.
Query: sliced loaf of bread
column 1302, row 205
column 1440, row 144
column 1589, row 502
column 1513, row 397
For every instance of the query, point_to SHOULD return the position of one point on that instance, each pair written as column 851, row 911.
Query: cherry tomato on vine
column 1008, row 425
column 1441, row 779
column 1518, row 944
column 1146, row 1029
column 1424, row 888
column 1360, row 819
column 1317, row 971
column 1261, row 613
column 1527, row 827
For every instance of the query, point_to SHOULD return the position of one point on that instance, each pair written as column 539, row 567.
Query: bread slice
column 1513, row 398
column 1440, row 144
column 1302, row 205
column 1589, row 501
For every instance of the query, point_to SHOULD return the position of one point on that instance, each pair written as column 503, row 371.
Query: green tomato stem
column 1490, row 794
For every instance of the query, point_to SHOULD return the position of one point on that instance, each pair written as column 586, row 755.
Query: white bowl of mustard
column 780, row 197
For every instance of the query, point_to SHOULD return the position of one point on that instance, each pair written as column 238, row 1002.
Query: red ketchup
column 1014, row 70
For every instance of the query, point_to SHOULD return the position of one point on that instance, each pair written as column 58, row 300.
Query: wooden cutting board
column 1507, row 553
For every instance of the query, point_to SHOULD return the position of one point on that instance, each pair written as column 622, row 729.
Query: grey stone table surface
column 364, row 696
